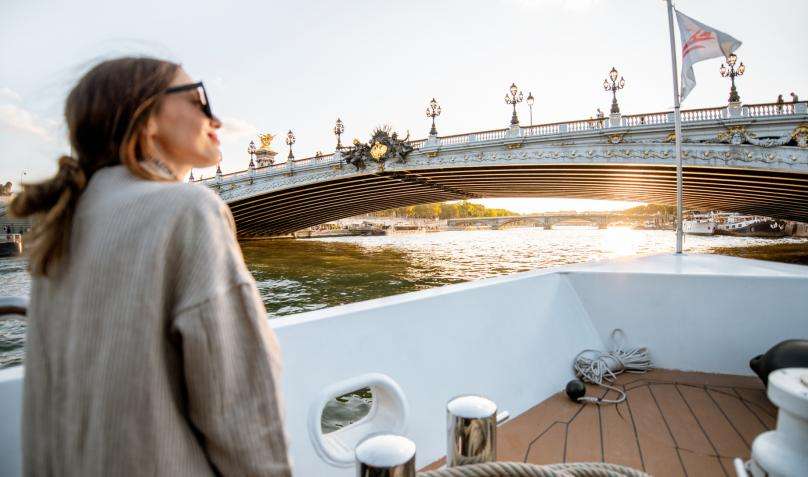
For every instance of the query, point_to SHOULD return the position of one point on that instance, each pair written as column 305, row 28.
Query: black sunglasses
column 200, row 89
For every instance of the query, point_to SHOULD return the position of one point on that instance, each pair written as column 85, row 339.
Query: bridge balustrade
column 567, row 127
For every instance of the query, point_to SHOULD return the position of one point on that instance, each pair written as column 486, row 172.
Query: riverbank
column 796, row 253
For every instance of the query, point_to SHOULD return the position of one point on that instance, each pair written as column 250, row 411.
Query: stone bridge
column 751, row 159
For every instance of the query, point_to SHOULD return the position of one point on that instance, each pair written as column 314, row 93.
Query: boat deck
column 673, row 423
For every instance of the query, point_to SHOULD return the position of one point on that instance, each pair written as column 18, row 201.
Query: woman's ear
column 148, row 137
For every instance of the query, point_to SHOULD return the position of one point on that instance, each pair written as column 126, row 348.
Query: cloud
column 7, row 94
column 20, row 119
column 572, row 5
column 234, row 128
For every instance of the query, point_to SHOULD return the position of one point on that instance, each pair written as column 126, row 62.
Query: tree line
column 465, row 209
column 445, row 210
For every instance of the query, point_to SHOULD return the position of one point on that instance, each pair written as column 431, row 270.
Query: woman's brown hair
column 106, row 113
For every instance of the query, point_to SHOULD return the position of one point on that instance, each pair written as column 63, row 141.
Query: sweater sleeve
column 231, row 359
column 231, row 366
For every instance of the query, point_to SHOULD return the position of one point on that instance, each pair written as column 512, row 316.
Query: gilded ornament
column 378, row 150
column 800, row 135
column 266, row 141
column 734, row 135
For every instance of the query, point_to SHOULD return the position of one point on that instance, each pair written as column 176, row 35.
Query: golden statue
column 266, row 141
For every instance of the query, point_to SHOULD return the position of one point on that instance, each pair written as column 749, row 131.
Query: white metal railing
column 566, row 127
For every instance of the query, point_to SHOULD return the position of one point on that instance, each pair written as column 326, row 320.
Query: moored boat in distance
column 700, row 225
column 10, row 245
column 752, row 226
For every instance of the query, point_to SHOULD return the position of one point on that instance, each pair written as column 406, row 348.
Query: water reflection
column 294, row 276
column 301, row 275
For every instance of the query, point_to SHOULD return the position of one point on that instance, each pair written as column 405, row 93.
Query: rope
column 520, row 469
column 602, row 366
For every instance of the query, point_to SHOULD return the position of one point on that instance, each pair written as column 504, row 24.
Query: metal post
column 385, row 455
column 677, row 131
column 471, row 431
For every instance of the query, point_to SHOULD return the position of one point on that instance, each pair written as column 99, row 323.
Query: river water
column 294, row 276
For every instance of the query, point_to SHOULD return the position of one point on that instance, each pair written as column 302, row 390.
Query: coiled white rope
column 594, row 366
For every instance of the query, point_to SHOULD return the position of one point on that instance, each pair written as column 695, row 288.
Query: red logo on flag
column 695, row 40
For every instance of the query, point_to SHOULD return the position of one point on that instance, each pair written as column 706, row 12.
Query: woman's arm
column 231, row 358
column 231, row 362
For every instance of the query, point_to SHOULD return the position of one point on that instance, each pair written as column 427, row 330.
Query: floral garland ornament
column 737, row 135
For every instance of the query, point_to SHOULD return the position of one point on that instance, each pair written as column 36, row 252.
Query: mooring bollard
column 471, row 431
column 385, row 455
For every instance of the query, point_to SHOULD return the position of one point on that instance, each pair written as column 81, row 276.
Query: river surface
column 294, row 276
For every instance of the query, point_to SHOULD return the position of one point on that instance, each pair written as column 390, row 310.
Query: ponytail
column 52, row 203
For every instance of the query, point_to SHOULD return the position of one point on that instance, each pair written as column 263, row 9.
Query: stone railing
column 566, row 127
column 770, row 109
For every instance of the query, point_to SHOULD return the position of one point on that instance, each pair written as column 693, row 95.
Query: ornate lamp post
column 290, row 139
column 731, row 73
column 515, row 96
column 616, row 85
column 251, row 151
column 433, row 111
column 530, row 100
column 339, row 128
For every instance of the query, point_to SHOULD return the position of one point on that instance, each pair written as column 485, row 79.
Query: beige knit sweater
column 149, row 353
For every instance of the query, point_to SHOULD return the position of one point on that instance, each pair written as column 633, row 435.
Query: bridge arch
column 750, row 164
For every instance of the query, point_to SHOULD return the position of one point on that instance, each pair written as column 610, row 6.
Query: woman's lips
column 213, row 137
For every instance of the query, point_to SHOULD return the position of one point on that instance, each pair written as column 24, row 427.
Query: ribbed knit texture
column 149, row 352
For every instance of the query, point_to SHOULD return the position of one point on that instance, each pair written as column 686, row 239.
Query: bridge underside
column 776, row 194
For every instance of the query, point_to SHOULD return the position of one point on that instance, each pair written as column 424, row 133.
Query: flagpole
column 677, row 131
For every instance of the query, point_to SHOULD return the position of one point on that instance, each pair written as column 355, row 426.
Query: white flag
column 700, row 42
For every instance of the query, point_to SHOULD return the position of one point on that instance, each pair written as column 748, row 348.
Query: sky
column 273, row 66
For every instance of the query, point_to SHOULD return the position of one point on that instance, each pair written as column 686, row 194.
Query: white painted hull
column 699, row 227
column 510, row 338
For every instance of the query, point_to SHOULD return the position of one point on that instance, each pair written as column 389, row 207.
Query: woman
column 148, row 350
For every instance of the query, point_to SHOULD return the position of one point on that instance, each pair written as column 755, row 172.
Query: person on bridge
column 148, row 350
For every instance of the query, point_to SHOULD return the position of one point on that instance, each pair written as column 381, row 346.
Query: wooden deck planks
column 727, row 442
column 696, row 452
column 583, row 443
column 744, row 421
column 760, row 406
column 514, row 438
column 672, row 423
column 656, row 442
column 620, row 444
column 549, row 447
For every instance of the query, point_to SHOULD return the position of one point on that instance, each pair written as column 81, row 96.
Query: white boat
column 513, row 339
column 699, row 225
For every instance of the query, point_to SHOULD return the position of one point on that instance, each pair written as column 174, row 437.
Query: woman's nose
column 215, row 122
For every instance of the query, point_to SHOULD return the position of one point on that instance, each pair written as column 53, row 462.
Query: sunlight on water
column 621, row 241
column 295, row 276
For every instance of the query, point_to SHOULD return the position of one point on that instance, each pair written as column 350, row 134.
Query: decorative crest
column 384, row 144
